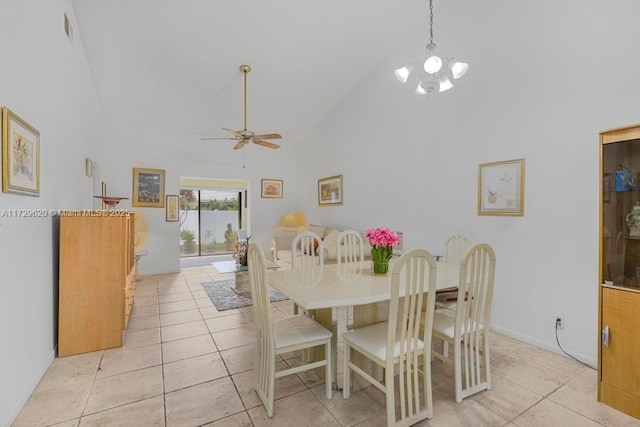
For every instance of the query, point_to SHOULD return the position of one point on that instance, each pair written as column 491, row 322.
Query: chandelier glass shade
column 435, row 73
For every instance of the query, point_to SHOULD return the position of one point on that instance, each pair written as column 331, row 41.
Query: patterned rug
column 224, row 296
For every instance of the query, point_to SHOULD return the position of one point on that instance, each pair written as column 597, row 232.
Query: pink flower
column 382, row 236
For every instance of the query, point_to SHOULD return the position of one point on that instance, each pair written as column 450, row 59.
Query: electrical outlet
column 559, row 322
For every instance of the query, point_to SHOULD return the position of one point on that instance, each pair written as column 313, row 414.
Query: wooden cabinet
column 96, row 286
column 619, row 272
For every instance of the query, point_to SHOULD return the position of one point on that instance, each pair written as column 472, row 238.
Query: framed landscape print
column 148, row 188
column 20, row 155
column 171, row 208
column 330, row 191
column 272, row 189
column 501, row 188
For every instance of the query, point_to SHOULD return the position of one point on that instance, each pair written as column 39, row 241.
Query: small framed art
column 148, row 188
column 171, row 208
column 501, row 188
column 330, row 191
column 20, row 155
column 88, row 167
column 272, row 188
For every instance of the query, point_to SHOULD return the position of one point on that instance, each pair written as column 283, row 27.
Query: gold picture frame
column 20, row 155
column 172, row 213
column 501, row 188
column 271, row 188
column 330, row 191
column 148, row 188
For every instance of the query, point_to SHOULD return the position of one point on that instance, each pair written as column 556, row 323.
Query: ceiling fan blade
column 265, row 143
column 239, row 145
column 269, row 136
column 226, row 138
column 233, row 132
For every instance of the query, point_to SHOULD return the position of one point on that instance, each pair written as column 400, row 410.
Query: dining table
column 324, row 288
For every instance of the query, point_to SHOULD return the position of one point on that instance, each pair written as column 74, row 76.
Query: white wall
column 541, row 85
column 187, row 156
column 46, row 81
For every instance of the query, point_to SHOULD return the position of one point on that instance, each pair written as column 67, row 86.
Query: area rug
column 197, row 261
column 224, row 297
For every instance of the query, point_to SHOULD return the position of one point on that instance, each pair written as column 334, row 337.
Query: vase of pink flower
column 382, row 240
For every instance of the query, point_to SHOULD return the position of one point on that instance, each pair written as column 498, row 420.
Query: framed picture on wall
column 272, row 189
column 501, row 188
column 148, row 188
column 330, row 191
column 171, row 208
column 20, row 155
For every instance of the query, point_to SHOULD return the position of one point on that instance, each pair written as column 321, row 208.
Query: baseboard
column 592, row 362
column 13, row 413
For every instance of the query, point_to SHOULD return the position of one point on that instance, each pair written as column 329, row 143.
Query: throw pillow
column 283, row 241
column 319, row 230
column 330, row 241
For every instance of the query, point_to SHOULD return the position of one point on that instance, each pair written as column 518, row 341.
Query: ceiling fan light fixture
column 438, row 71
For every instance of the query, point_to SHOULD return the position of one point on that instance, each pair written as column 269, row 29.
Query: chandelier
column 439, row 73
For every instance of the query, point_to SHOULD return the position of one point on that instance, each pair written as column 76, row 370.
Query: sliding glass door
column 209, row 221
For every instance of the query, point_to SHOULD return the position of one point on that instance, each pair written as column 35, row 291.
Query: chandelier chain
column 430, row 21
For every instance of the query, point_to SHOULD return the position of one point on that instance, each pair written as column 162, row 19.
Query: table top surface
column 338, row 285
column 231, row 266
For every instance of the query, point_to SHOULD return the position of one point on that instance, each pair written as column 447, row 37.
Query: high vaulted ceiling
column 173, row 64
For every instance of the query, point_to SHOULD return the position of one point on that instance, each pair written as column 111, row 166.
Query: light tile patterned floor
column 183, row 363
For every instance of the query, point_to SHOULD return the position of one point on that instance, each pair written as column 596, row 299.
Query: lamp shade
column 402, row 74
column 432, row 64
column 458, row 69
column 445, row 83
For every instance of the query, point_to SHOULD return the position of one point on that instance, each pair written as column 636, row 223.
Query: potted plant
column 189, row 239
column 230, row 238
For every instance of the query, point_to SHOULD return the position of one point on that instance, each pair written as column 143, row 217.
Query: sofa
column 283, row 238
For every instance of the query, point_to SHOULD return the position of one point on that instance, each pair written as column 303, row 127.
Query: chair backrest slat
column 307, row 249
column 415, row 274
column 475, row 295
column 455, row 246
column 260, row 296
column 350, row 247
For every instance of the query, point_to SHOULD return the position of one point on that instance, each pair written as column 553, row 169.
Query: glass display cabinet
column 619, row 272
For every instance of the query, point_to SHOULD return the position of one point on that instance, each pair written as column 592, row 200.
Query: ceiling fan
column 246, row 136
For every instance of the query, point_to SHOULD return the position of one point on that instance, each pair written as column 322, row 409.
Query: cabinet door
column 620, row 374
column 91, row 284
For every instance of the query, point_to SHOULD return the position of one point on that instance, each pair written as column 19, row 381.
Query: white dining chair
column 350, row 247
column 467, row 330
column 307, row 249
column 455, row 246
column 402, row 342
column 274, row 337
